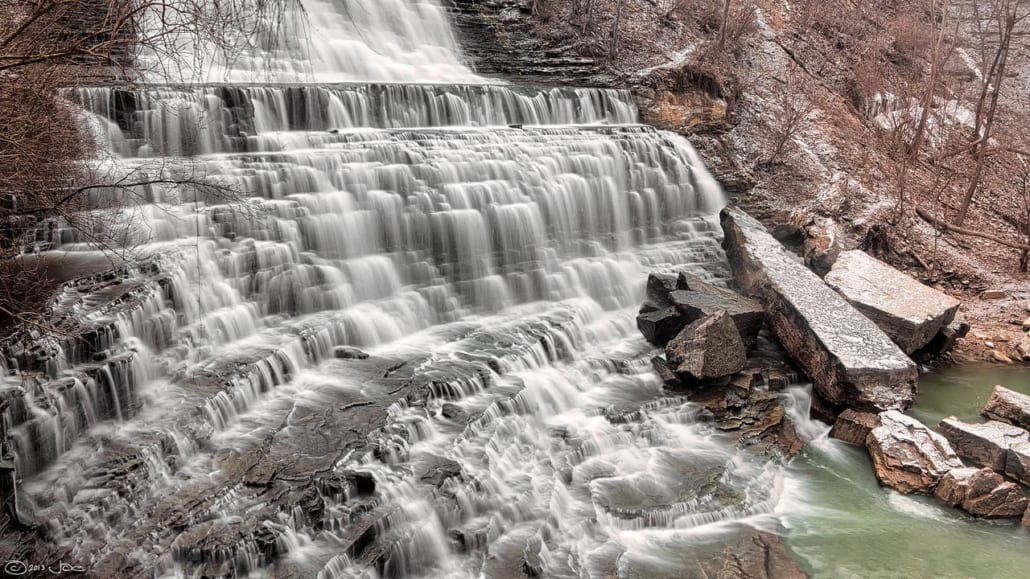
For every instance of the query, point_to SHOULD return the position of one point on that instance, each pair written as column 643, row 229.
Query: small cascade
column 374, row 329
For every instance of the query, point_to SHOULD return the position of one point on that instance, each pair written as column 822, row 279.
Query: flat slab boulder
column 853, row 427
column 985, row 445
column 697, row 298
column 851, row 362
column 908, row 311
column 1008, row 406
column 908, row 456
column 707, row 349
column 982, row 493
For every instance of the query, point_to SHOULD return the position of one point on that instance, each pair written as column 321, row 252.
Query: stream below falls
column 390, row 333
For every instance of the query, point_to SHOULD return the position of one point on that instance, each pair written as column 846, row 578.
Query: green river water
column 840, row 523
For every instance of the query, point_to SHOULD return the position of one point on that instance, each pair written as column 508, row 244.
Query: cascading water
column 485, row 244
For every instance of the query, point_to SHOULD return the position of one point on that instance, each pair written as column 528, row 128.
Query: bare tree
column 1008, row 16
column 47, row 181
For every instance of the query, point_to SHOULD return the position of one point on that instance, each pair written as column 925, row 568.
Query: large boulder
column 697, row 298
column 982, row 493
column 660, row 326
column 908, row 456
column 1008, row 406
column 853, row 427
column 908, row 311
column 985, row 445
column 708, row 348
column 852, row 363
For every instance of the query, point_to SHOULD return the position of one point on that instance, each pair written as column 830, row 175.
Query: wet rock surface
column 707, row 349
column 986, row 445
column 982, row 493
column 906, row 310
column 697, row 298
column 854, row 427
column 852, row 363
column 907, row 456
column 1008, row 406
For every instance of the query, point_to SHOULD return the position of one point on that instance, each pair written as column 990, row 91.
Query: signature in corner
column 15, row 568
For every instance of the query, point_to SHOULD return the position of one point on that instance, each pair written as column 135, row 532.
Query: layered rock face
column 854, row 427
column 905, row 309
column 852, row 363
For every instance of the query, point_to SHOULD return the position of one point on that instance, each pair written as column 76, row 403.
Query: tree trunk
column 724, row 24
column 615, row 31
column 981, row 156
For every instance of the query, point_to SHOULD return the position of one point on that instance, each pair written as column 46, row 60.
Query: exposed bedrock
column 908, row 456
column 905, row 309
column 851, row 362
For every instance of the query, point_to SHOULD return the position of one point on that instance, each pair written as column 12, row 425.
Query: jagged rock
column 982, row 493
column 853, row 427
column 821, row 247
column 659, row 285
column 1017, row 462
column 661, row 367
column 708, row 348
column 849, row 359
column 349, row 353
column 908, row 456
column 908, row 311
column 1008, row 406
column 698, row 298
column 1026, row 518
column 660, row 326
column 986, row 444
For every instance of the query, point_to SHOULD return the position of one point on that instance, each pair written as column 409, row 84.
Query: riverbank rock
column 906, row 310
column 908, row 456
column 708, row 348
column 985, row 445
column 851, row 362
column 944, row 341
column 982, row 493
column 1017, row 462
column 697, row 298
column 853, row 427
column 1008, row 406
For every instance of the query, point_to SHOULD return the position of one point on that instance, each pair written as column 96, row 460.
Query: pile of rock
column 911, row 458
column 706, row 330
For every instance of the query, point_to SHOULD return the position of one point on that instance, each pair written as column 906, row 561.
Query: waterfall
column 485, row 247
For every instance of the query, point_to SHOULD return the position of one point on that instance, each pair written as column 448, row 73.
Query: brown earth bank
column 809, row 115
